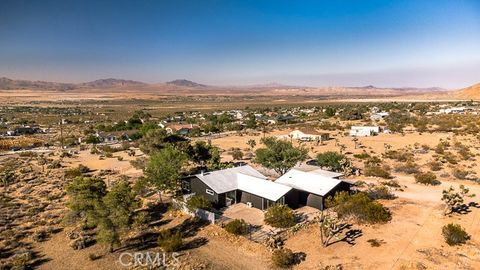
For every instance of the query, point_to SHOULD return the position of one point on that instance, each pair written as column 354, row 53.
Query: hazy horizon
column 313, row 43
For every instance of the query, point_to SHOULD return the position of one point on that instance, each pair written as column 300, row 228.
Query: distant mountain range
column 9, row 84
column 183, row 86
column 185, row 83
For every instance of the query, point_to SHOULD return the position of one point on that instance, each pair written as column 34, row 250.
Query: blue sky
column 317, row 43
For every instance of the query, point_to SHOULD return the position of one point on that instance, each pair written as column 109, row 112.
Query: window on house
column 209, row 192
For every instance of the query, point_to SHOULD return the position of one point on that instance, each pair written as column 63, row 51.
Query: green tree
column 153, row 140
column 84, row 195
column 164, row 169
column 279, row 155
column 330, row 112
column 251, row 121
column 332, row 161
column 92, row 139
column 115, row 214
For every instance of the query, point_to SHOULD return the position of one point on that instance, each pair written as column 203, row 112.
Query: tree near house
column 164, row 169
column 332, row 161
column 279, row 155
column 331, row 227
column 115, row 213
column 84, row 195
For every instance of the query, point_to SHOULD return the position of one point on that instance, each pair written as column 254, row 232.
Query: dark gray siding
column 200, row 188
column 256, row 201
column 291, row 199
column 315, row 201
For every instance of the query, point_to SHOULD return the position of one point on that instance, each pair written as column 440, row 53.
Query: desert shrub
column 237, row 227
column 170, row 241
column 280, row 216
column 435, row 165
column 391, row 183
column 399, row 155
column 407, row 167
column 427, row 178
column 199, row 202
column 441, row 147
column 380, row 192
column 460, row 174
column 375, row 242
column 377, row 171
column 119, row 158
column 28, row 154
column 283, row 258
column 359, row 206
column 454, row 234
column 361, row 156
column 65, row 155
column 108, row 154
column 55, row 164
column 451, row 158
column 331, row 160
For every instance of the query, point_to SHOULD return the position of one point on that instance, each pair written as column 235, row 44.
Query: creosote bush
column 454, row 234
column 170, row 241
column 237, row 227
column 283, row 258
column 377, row 171
column 359, row 206
column 280, row 216
column 427, row 178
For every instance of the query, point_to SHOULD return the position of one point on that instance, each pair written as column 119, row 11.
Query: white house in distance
column 379, row 115
column 308, row 134
column 364, row 131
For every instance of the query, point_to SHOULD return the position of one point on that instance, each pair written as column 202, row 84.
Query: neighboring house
column 363, row 131
column 454, row 110
column 379, row 116
column 246, row 185
column 308, row 134
column 106, row 137
column 26, row 130
column 182, row 129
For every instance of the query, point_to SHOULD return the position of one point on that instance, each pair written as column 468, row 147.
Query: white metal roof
column 261, row 187
column 226, row 180
column 308, row 181
column 244, row 178
column 326, row 173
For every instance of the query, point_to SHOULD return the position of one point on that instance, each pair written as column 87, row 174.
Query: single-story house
column 245, row 184
column 182, row 129
column 310, row 188
column 379, row 115
column 233, row 185
column 309, row 134
column 364, row 131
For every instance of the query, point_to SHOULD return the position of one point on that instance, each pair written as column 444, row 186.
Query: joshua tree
column 330, row 227
column 355, row 141
column 252, row 143
column 454, row 199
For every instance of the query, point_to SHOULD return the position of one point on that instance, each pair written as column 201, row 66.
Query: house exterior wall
column 256, row 201
column 200, row 188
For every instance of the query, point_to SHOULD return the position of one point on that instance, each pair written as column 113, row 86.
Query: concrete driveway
column 251, row 215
